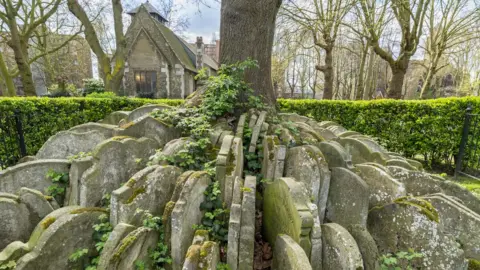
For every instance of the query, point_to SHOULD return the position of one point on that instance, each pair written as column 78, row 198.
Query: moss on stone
column 136, row 192
column 127, row 125
column 473, row 264
column 48, row 198
column 47, row 222
column 168, row 211
column 87, row 210
column 121, row 138
column 202, row 233
column 131, row 183
column 126, row 242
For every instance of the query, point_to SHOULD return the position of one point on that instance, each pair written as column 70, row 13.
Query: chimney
column 200, row 52
column 217, row 50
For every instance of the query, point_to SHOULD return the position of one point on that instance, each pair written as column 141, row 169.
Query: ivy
column 160, row 255
column 59, row 184
column 400, row 260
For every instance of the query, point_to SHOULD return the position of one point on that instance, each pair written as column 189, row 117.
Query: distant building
column 160, row 64
column 212, row 50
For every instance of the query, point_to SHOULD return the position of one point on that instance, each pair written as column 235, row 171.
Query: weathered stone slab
column 234, row 235
column 308, row 165
column 134, row 247
column 336, row 155
column 286, row 211
column 31, row 175
column 107, row 130
column 326, row 124
column 14, row 222
column 401, row 163
column 273, row 158
column 37, row 204
column 316, row 239
column 152, row 128
column 256, row 132
column 57, row 241
column 308, row 132
column 114, row 161
column 224, row 163
column 149, row 190
column 366, row 245
column 116, row 236
column 185, row 214
column 170, row 149
column 78, row 167
column 348, row 134
column 397, row 228
column 115, row 117
column 293, row 117
column 247, row 225
column 253, row 120
column 340, row 251
column 348, row 199
column 146, row 110
column 202, row 254
column 288, row 255
column 17, row 249
column 459, row 221
column 65, row 144
column 234, row 169
column 337, row 130
column 361, row 152
column 383, row 187
column 453, row 189
column 241, row 126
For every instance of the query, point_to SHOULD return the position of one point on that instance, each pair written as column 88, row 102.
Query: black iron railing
column 468, row 159
column 12, row 139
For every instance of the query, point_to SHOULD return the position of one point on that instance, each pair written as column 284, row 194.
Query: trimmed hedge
column 431, row 128
column 43, row 117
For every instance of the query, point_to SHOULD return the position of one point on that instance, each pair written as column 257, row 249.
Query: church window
column 146, row 83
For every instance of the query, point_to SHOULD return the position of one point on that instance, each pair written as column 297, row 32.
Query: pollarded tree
column 322, row 18
column 410, row 17
column 247, row 30
column 450, row 22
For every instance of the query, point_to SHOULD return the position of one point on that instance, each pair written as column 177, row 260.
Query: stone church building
column 159, row 63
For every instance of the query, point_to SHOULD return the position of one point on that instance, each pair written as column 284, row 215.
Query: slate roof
column 151, row 9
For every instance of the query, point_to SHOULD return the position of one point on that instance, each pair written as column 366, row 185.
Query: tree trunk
column 11, row 92
column 432, row 70
column 369, row 81
column 396, row 84
column 20, row 50
column 327, row 71
column 361, row 74
column 247, row 31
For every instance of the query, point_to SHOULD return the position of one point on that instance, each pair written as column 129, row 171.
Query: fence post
column 21, row 138
column 463, row 142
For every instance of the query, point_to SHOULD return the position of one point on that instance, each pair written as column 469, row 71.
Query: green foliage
column 223, row 266
column 160, row 256
column 8, row 265
column 432, row 128
column 70, row 90
column 472, row 264
column 59, row 184
column 400, row 260
column 216, row 216
column 93, row 86
column 102, row 230
column 78, row 254
column 102, row 95
column 44, row 117
column 80, row 155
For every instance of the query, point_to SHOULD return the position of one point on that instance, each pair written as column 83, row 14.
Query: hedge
column 430, row 128
column 43, row 117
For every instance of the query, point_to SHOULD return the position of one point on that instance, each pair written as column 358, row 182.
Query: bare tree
column 410, row 16
column 450, row 22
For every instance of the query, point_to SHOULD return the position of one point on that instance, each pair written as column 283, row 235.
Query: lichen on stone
column 121, row 138
column 136, row 192
column 473, row 264
column 88, row 209
column 47, row 222
column 126, row 242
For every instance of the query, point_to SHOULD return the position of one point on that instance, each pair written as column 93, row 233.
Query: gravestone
column 115, row 117
column 151, row 128
column 120, row 231
column 65, row 144
column 108, row 131
column 145, row 110
column 288, row 255
column 273, row 158
column 336, row 155
column 15, row 222
column 340, row 251
column 247, row 225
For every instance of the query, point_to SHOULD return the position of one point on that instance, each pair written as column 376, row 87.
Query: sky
column 204, row 20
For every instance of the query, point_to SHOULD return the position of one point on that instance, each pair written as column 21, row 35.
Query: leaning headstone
column 31, row 175
column 133, row 248
column 308, row 165
column 115, row 117
column 145, row 110
column 149, row 191
column 360, row 151
column 459, row 221
column 57, row 241
column 286, row 211
column 234, row 169
column 152, row 128
column 186, row 214
column 383, row 187
column 247, row 225
column 241, row 126
column 107, row 130
column 79, row 166
column 14, row 222
column 116, row 236
column 316, row 238
column 401, row 163
column 172, row 148
column 348, row 198
column 340, row 251
column 38, row 204
column 288, row 255
column 257, row 129
column 366, row 245
column 65, row 144
column 293, row 117
column 224, row 164
column 114, row 161
column 336, row 155
column 234, row 235
column 398, row 228
column 273, row 158
column 202, row 254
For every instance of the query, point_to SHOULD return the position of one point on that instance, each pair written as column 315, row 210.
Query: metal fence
column 12, row 140
column 468, row 159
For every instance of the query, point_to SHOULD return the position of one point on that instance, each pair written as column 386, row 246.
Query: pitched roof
column 151, row 9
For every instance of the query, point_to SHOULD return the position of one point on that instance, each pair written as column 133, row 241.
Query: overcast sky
column 204, row 21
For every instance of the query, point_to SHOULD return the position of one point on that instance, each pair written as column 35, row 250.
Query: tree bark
column 247, row 31
column 7, row 78
column 361, row 74
column 327, row 71
column 396, row 83
column 369, row 81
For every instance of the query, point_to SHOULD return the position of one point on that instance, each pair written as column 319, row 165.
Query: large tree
column 112, row 76
column 410, row 17
column 247, row 31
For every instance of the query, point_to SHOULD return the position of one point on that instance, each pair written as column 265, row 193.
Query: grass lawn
column 471, row 184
